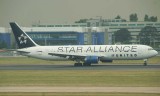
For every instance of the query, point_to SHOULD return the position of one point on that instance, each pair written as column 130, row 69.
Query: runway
column 71, row 67
column 82, row 89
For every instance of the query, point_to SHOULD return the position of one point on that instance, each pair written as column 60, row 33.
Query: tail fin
column 22, row 39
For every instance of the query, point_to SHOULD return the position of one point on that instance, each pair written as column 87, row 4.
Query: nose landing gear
column 145, row 62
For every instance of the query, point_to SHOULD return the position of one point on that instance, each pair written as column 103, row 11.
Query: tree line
column 132, row 18
column 147, row 36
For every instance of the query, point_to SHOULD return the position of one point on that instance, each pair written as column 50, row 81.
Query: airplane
column 84, row 55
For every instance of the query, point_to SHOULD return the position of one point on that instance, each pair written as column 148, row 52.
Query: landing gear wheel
column 145, row 62
column 77, row 64
column 86, row 64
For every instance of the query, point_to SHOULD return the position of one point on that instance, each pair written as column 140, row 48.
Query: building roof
column 53, row 29
column 3, row 30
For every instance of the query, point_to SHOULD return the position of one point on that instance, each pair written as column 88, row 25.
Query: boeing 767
column 84, row 55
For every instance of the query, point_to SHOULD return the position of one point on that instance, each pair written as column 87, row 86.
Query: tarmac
column 82, row 89
column 72, row 67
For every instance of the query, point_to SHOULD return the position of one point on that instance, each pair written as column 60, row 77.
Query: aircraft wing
column 69, row 56
column 19, row 51
column 5, row 50
column 73, row 56
column 23, row 52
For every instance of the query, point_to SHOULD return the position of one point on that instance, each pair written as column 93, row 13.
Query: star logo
column 22, row 39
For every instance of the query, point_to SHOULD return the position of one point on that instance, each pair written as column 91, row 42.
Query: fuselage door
column 39, row 52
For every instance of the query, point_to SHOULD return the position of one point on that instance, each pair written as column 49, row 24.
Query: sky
column 28, row 12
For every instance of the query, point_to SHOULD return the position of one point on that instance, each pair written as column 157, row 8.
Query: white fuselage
column 111, row 52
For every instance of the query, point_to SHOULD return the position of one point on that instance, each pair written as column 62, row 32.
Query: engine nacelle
column 91, row 59
column 105, row 60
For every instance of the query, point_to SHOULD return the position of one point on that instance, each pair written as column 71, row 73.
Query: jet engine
column 91, row 59
column 103, row 59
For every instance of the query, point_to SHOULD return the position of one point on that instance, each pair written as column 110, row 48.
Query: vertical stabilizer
column 22, row 39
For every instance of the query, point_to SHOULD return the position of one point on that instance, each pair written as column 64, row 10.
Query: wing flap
column 74, row 56
column 65, row 55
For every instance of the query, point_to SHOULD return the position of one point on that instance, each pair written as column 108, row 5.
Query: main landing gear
column 80, row 64
column 145, row 62
column 86, row 64
column 77, row 64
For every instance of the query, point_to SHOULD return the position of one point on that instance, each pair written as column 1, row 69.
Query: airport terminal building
column 91, row 32
column 5, row 37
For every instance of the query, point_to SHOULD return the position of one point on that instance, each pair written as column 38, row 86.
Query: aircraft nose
column 156, row 53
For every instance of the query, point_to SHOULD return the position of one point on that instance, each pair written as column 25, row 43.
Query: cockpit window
column 150, row 48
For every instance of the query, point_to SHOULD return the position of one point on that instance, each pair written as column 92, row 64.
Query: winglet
column 22, row 39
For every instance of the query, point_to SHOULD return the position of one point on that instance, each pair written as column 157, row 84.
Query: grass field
column 80, row 78
column 77, row 94
column 26, row 60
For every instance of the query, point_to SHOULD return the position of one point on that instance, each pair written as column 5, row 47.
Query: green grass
column 77, row 94
column 87, row 78
column 26, row 60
